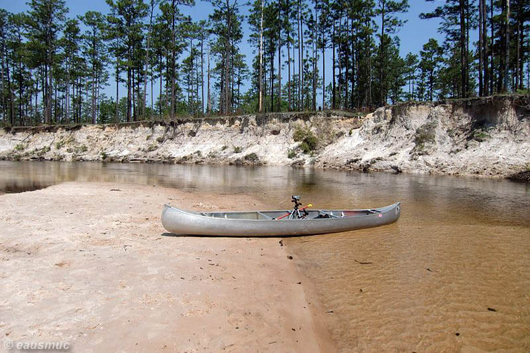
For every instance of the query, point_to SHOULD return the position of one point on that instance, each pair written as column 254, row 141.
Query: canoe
column 265, row 224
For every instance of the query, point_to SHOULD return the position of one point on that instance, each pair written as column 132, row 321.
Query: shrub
column 311, row 141
column 291, row 154
column 299, row 134
column 252, row 157
column 480, row 136
column 237, row 149
column 42, row 151
column 308, row 139
column 305, row 147
column 425, row 134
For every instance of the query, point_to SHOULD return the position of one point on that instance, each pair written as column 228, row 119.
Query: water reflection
column 443, row 198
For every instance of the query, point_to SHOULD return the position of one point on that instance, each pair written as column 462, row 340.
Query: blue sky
column 413, row 34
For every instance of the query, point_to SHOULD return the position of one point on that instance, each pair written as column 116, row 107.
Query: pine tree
column 520, row 42
column 126, row 28
column 8, row 104
column 361, row 45
column 410, row 75
column 147, row 62
column 458, row 18
column 387, row 11
column 226, row 27
column 96, row 52
column 324, row 27
column 44, row 22
column 429, row 69
column 72, row 61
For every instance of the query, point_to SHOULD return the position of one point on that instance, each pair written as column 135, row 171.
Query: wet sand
column 90, row 264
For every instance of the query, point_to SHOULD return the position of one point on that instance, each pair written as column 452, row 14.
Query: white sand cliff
column 482, row 136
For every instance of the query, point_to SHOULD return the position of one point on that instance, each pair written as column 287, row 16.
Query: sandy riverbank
column 89, row 264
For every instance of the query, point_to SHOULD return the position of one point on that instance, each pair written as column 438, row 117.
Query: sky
column 414, row 33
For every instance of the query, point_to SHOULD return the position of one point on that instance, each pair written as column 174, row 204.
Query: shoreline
column 476, row 137
column 89, row 263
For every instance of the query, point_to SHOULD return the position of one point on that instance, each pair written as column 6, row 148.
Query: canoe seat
column 324, row 214
column 264, row 215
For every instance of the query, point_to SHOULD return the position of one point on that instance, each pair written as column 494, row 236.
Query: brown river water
column 453, row 274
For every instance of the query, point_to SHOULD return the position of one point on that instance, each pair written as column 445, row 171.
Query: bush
column 291, row 154
column 42, row 151
column 480, row 136
column 425, row 134
column 252, row 157
column 237, row 149
column 311, row 141
column 305, row 147
column 299, row 134
column 308, row 139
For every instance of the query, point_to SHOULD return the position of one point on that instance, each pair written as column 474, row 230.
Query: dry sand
column 89, row 264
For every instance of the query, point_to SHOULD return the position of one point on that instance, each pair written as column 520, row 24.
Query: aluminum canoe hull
column 262, row 224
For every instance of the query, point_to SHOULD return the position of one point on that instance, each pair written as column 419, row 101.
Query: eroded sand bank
column 89, row 264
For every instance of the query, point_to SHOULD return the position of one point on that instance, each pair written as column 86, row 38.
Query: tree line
column 54, row 69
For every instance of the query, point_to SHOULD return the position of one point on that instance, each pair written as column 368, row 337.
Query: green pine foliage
column 308, row 55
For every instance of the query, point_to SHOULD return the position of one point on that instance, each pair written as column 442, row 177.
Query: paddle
column 288, row 213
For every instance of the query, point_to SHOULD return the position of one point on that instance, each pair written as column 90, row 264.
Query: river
column 453, row 274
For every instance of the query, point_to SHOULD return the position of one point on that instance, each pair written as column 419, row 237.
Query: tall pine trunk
column 315, row 53
column 300, row 56
column 146, row 62
column 333, row 102
column 480, row 51
column 129, row 94
column 202, row 76
column 93, row 95
column 209, row 104
column 507, row 47
column 288, row 73
column 463, row 54
column 485, row 50
column 382, row 78
column 117, row 91
column 492, row 66
column 279, row 75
